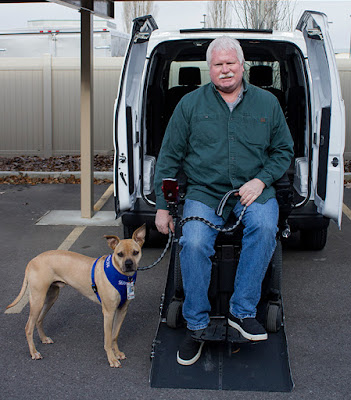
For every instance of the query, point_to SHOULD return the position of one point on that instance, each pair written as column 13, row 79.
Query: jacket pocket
column 206, row 128
column 255, row 130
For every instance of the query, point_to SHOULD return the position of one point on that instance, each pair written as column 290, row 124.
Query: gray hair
column 225, row 43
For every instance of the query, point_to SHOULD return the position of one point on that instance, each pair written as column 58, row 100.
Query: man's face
column 226, row 72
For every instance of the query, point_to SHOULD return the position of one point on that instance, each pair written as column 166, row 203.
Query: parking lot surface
column 317, row 303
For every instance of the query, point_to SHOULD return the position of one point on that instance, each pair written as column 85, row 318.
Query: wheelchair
column 224, row 264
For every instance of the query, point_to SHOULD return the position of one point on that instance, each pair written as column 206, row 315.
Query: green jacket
column 221, row 150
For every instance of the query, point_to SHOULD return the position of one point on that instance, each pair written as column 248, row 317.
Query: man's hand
column 163, row 221
column 250, row 191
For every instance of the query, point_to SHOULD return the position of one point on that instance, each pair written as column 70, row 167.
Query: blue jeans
column 197, row 241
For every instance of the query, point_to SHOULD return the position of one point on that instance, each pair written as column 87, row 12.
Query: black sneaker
column 250, row 328
column 189, row 350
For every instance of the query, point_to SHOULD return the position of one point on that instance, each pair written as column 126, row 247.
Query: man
column 227, row 134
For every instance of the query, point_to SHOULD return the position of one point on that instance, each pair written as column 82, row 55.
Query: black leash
column 211, row 225
column 182, row 222
column 170, row 238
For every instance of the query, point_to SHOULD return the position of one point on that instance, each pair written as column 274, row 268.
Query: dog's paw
column 114, row 363
column 36, row 356
column 120, row 355
column 47, row 340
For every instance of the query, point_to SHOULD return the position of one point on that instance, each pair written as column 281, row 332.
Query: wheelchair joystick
column 170, row 190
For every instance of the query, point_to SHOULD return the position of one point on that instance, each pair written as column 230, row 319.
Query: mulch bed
column 50, row 164
column 60, row 164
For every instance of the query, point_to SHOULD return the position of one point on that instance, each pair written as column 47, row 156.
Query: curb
column 50, row 174
column 76, row 174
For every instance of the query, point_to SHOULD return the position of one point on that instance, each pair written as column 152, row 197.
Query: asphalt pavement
column 317, row 303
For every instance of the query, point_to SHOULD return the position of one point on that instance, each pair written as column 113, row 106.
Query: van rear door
column 127, row 108
column 328, row 116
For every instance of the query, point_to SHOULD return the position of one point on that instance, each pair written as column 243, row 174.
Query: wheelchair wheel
column 277, row 267
column 274, row 317
column 178, row 281
column 174, row 314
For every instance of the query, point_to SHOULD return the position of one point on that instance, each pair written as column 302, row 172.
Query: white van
column 298, row 67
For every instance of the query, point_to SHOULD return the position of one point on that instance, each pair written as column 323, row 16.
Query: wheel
column 174, row 314
column 313, row 239
column 128, row 231
column 178, row 281
column 271, row 285
column 274, row 317
column 277, row 268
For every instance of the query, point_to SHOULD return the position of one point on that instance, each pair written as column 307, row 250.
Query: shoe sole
column 246, row 335
column 192, row 360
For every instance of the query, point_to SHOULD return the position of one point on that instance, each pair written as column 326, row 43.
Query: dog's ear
column 112, row 241
column 139, row 235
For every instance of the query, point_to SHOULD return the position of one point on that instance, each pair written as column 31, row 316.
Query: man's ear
column 139, row 235
column 112, row 241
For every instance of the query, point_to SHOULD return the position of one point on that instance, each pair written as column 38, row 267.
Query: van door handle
column 122, row 158
column 335, row 162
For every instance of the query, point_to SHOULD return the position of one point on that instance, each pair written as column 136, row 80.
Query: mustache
column 228, row 75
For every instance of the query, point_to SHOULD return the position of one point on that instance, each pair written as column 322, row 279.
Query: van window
column 273, row 66
column 177, row 66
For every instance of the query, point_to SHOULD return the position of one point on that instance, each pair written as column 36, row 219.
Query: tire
column 178, row 281
column 273, row 318
column 277, row 268
column 313, row 239
column 128, row 231
column 271, row 285
column 174, row 314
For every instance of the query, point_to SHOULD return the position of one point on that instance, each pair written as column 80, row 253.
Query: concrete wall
column 40, row 104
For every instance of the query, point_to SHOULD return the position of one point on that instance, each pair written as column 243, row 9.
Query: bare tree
column 265, row 14
column 133, row 9
column 218, row 13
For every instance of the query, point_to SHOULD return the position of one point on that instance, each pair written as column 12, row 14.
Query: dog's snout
column 129, row 264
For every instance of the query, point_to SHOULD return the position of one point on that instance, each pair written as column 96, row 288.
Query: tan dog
column 49, row 271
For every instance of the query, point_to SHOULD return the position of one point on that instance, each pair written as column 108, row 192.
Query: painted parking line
column 78, row 230
column 346, row 211
column 71, row 238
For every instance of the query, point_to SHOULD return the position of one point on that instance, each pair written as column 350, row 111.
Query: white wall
column 40, row 105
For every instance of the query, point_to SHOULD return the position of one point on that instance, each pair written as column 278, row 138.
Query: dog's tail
column 21, row 300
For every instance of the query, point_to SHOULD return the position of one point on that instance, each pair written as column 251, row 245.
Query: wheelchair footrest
column 234, row 336
column 219, row 331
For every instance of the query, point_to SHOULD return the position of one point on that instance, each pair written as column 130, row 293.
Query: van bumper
column 304, row 218
column 307, row 218
column 141, row 214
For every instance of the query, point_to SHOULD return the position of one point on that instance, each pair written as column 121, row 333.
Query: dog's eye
column 120, row 254
column 135, row 252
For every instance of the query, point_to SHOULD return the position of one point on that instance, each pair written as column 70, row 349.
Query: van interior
column 178, row 67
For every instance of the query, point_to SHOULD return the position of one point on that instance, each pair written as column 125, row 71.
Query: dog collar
column 117, row 280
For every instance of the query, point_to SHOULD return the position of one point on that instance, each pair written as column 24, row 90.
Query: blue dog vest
column 117, row 280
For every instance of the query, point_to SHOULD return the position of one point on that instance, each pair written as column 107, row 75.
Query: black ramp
column 262, row 366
